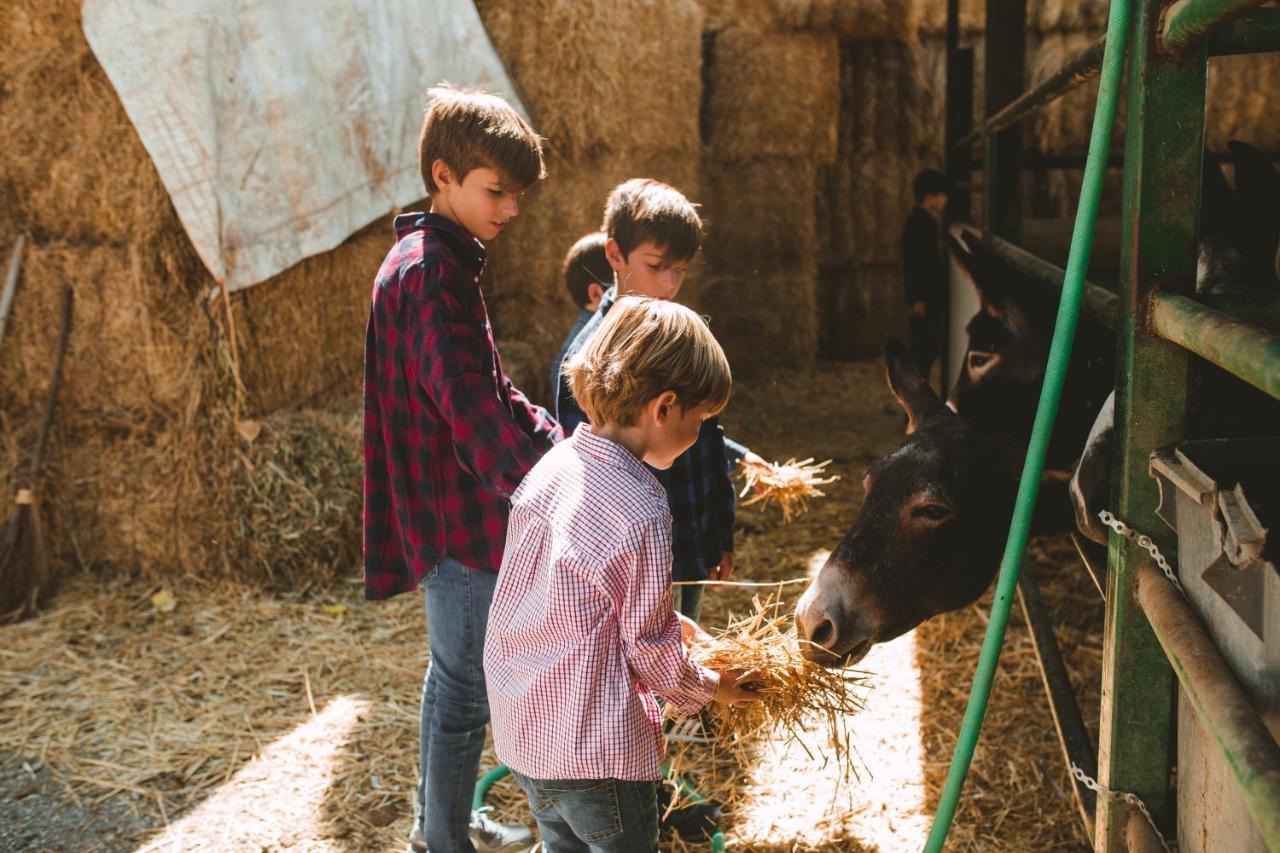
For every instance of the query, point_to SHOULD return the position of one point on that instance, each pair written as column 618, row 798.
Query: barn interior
column 206, row 445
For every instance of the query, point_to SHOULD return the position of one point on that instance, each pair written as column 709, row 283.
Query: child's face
column 647, row 271
column 672, row 430
column 480, row 203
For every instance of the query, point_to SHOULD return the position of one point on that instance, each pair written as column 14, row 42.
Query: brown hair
column 643, row 348
column 586, row 264
column 643, row 209
column 472, row 129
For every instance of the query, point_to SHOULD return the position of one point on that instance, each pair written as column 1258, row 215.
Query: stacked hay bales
column 147, row 471
column 884, row 140
column 771, row 110
column 615, row 90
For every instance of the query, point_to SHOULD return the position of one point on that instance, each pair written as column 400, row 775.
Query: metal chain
column 1144, row 541
column 1130, row 799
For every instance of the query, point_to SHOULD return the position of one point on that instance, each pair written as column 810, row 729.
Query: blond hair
column 643, row 348
column 471, row 129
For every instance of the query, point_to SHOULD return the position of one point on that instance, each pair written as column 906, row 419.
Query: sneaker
column 489, row 836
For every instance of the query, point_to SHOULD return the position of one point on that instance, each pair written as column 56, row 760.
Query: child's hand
column 691, row 632
column 734, row 690
column 724, row 570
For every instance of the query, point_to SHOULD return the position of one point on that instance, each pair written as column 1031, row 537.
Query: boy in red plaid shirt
column 447, row 439
column 582, row 632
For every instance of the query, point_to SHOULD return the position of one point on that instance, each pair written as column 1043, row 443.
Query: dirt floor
column 231, row 719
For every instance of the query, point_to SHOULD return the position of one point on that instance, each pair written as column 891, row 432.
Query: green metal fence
column 1161, row 325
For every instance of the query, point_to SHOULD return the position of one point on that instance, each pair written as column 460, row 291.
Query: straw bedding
column 206, row 704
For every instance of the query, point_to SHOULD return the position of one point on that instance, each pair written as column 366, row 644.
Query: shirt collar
column 470, row 248
column 612, row 453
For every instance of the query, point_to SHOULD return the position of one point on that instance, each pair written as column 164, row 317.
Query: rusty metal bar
column 1256, row 32
column 1238, row 347
column 1077, row 69
column 1221, row 704
column 1073, row 737
column 1187, row 22
column 1099, row 303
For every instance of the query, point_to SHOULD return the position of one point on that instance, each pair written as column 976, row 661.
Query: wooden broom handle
column 68, row 297
column 11, row 281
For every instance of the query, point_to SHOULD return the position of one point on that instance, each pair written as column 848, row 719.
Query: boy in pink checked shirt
column 582, row 632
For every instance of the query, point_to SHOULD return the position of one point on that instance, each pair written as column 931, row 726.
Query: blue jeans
column 595, row 815
column 455, row 707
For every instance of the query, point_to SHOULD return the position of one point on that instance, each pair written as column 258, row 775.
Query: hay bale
column 590, row 82
column 1067, row 16
column 191, row 500
column 883, row 142
column 933, row 16
column 760, row 215
column 1064, row 125
column 849, row 19
column 302, row 333
column 772, row 95
column 1241, row 101
column 861, row 306
column 764, row 321
column 135, row 337
column 854, row 19
column 73, row 166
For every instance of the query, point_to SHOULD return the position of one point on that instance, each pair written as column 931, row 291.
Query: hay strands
column 790, row 484
column 797, row 697
column 23, row 563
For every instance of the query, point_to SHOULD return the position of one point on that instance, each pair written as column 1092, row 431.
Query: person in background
column 924, row 269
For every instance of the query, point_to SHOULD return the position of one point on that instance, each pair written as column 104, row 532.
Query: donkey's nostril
column 823, row 634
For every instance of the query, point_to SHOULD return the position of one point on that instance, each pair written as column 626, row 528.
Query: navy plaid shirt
column 447, row 437
column 698, row 486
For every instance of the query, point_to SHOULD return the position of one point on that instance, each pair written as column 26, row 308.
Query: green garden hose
column 501, row 772
column 1064, row 333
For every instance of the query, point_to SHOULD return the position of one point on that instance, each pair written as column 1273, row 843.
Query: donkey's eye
column 931, row 512
column 978, row 360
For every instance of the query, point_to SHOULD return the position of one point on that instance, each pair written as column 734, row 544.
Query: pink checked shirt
column 582, row 632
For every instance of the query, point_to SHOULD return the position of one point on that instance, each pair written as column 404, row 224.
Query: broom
column 23, row 559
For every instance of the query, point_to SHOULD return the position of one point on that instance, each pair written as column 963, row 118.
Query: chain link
column 1143, row 541
column 1130, row 799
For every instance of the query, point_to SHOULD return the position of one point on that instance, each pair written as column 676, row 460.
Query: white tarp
column 279, row 127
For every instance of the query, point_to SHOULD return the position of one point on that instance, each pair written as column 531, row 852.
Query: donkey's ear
column 1218, row 207
column 990, row 278
column 1257, row 184
column 921, row 404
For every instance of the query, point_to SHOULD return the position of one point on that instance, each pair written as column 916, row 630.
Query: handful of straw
column 789, row 485
column 796, row 695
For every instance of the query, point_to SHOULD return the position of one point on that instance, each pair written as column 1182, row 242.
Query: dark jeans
column 455, row 706
column 688, row 600
column 926, row 333
column 595, row 815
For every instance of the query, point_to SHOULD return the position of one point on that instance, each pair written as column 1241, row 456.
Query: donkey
column 931, row 529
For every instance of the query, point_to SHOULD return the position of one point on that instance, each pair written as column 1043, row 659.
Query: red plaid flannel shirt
column 447, row 437
column 581, row 630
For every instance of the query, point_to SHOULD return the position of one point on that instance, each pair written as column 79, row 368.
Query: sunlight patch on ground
column 278, row 798
column 815, row 562
column 795, row 801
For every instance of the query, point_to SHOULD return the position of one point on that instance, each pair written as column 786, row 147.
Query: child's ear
column 663, row 405
column 441, row 173
column 595, row 291
column 613, row 253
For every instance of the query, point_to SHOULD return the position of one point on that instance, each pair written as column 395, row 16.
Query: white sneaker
column 489, row 836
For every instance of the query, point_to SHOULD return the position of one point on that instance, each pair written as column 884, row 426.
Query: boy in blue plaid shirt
column 653, row 233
